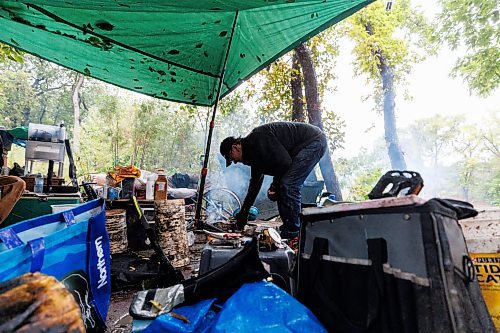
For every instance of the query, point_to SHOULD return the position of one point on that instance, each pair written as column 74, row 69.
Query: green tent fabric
column 170, row 49
column 20, row 133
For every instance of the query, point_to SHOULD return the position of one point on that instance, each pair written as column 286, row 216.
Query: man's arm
column 253, row 189
column 254, row 186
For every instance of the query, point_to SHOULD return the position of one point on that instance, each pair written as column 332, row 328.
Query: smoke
column 236, row 178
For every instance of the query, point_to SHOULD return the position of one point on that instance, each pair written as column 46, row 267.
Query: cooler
column 279, row 262
column 31, row 205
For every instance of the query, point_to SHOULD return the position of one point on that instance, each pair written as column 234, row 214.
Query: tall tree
column 296, row 90
column 388, row 43
column 475, row 25
column 315, row 117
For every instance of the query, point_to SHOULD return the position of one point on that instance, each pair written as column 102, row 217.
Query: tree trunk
column 135, row 151
column 391, row 135
column 143, row 153
column 76, row 112
column 297, row 97
column 314, row 115
column 42, row 112
column 26, row 116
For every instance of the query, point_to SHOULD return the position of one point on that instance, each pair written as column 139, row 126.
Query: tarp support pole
column 204, row 170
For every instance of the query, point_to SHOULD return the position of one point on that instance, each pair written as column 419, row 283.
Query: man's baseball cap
column 225, row 148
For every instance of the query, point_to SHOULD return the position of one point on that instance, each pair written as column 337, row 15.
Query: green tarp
column 20, row 133
column 170, row 49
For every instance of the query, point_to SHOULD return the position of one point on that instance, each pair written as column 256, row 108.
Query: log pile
column 170, row 225
column 36, row 302
column 116, row 225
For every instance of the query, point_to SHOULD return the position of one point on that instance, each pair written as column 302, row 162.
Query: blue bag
column 72, row 246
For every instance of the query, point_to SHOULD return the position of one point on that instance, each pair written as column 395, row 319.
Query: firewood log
column 36, row 302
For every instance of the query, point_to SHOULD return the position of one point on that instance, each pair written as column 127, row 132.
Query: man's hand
column 241, row 219
column 272, row 193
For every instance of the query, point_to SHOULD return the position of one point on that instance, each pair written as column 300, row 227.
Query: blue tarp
column 255, row 307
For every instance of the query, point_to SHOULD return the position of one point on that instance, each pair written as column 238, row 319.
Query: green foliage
column 468, row 145
column 358, row 174
column 474, row 24
column 8, row 53
column 324, row 52
column 457, row 158
column 100, row 142
column 363, row 185
column 333, row 126
column 491, row 187
column 149, row 133
column 35, row 91
column 275, row 94
column 17, row 99
column 432, row 138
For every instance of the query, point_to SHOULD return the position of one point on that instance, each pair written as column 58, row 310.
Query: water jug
column 150, row 187
column 38, row 188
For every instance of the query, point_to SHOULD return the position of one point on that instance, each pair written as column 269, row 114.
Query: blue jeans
column 291, row 183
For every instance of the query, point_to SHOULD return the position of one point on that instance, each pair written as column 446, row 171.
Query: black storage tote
column 368, row 267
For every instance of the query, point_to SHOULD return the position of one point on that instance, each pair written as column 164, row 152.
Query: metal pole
column 204, row 170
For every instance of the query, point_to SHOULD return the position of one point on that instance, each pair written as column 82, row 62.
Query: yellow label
column 487, row 267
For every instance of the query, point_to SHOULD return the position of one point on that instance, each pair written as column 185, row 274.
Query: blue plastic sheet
column 255, row 307
column 263, row 307
column 199, row 316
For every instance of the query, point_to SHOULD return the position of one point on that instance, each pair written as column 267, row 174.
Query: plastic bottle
column 161, row 186
column 62, row 132
column 150, row 187
column 38, row 188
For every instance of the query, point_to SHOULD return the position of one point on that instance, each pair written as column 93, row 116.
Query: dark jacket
column 269, row 150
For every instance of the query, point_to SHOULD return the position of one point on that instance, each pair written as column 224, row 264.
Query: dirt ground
column 119, row 321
